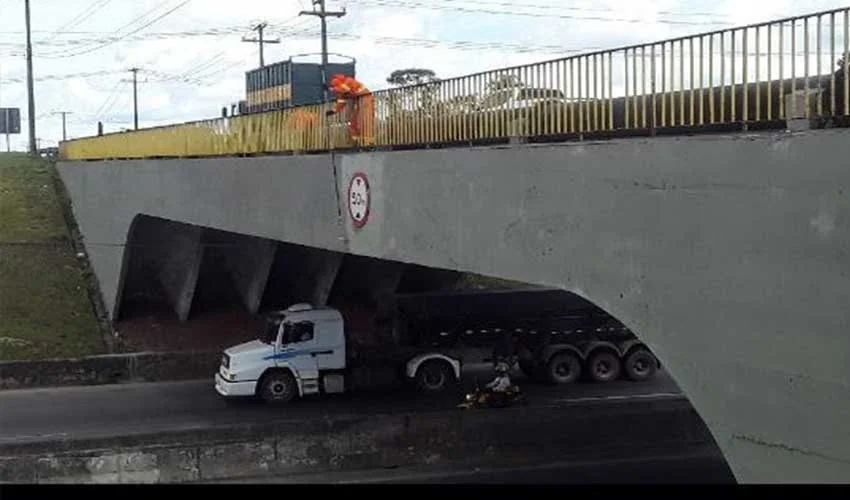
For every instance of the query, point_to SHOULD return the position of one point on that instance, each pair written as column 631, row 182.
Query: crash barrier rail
column 733, row 76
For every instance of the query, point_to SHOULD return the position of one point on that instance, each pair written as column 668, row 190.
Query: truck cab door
column 330, row 345
column 296, row 348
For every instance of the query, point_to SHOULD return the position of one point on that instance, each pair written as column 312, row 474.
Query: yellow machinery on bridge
column 736, row 77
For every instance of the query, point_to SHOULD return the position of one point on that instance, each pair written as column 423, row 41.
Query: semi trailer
column 307, row 350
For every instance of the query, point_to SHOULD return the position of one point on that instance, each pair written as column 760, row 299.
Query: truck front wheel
column 278, row 387
column 434, row 376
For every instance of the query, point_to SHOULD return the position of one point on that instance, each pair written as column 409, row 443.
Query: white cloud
column 221, row 60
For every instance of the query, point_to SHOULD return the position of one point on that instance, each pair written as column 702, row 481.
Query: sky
column 192, row 58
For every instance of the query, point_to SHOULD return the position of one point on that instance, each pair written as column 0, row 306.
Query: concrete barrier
column 110, row 368
column 513, row 436
column 151, row 367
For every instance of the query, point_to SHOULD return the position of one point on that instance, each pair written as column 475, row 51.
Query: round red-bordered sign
column 359, row 199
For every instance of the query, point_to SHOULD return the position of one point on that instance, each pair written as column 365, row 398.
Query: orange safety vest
column 362, row 118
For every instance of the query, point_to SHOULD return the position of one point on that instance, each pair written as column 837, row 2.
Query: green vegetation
column 45, row 310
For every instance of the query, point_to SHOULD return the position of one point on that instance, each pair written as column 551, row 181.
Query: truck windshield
column 270, row 334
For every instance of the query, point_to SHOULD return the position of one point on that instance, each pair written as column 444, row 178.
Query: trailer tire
column 278, row 386
column 640, row 365
column 604, row 366
column 434, row 376
column 563, row 368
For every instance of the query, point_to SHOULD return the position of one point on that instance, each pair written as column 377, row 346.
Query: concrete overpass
column 727, row 253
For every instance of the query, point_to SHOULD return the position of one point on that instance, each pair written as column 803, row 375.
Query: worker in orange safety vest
column 362, row 117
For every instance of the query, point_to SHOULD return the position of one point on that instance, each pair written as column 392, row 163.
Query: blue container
column 286, row 84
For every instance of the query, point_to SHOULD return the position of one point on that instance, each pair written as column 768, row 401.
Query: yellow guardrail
column 729, row 76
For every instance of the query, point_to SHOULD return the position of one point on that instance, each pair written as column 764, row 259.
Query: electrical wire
column 82, row 16
column 476, row 10
column 67, row 76
column 203, row 79
column 112, row 95
column 155, row 20
column 205, row 64
column 133, row 21
column 514, row 5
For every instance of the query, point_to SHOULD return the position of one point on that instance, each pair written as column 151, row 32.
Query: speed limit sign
column 359, row 199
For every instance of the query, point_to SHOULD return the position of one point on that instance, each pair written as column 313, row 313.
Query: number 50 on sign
column 359, row 199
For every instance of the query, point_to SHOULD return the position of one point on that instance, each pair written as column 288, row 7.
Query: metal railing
column 737, row 75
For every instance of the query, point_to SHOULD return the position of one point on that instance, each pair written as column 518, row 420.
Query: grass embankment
column 45, row 310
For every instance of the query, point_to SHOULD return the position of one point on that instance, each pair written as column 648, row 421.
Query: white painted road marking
column 657, row 395
column 12, row 439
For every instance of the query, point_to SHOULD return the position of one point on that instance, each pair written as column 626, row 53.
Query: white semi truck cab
column 305, row 352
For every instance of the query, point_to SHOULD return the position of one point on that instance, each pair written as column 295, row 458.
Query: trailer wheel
column 640, row 365
column 434, row 376
column 604, row 366
column 563, row 368
column 278, row 387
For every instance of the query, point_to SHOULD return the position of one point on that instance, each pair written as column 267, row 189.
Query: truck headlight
column 225, row 360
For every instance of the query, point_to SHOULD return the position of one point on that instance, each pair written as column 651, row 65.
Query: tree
column 501, row 90
column 505, row 82
column 412, row 76
column 423, row 84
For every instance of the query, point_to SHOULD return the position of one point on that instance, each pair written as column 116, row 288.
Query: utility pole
column 135, row 97
column 260, row 40
column 323, row 15
column 31, row 98
column 6, row 128
column 64, row 114
column 135, row 81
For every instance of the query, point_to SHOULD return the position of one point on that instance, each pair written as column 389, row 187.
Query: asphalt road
column 700, row 467
column 122, row 410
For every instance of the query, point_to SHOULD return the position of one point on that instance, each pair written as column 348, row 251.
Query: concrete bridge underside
column 728, row 255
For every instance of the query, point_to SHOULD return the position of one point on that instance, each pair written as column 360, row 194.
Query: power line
column 469, row 45
column 155, row 20
column 568, row 8
column 203, row 65
column 464, row 45
column 82, row 16
column 66, row 76
column 111, row 99
column 113, row 36
column 475, row 10
column 203, row 78
column 126, row 25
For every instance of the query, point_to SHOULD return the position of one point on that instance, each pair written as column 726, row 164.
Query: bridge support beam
column 249, row 261
column 306, row 274
column 180, row 263
column 372, row 279
column 384, row 281
column 326, row 271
